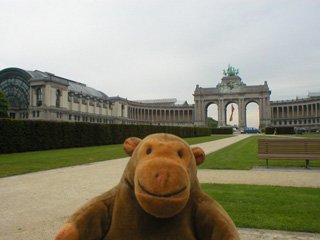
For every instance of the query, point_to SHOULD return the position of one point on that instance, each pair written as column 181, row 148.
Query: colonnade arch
column 232, row 90
column 252, row 114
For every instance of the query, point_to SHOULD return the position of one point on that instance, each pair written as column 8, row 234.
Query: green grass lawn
column 269, row 207
column 244, row 155
column 20, row 163
column 309, row 135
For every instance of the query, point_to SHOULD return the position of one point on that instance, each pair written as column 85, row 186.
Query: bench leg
column 307, row 163
column 267, row 163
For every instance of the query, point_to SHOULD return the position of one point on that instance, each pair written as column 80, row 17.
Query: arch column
column 221, row 113
column 242, row 113
column 200, row 113
column 265, row 112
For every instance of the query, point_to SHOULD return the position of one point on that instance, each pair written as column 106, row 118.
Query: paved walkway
column 34, row 206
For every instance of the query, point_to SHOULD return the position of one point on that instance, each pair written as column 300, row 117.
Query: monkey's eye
column 180, row 154
column 149, row 150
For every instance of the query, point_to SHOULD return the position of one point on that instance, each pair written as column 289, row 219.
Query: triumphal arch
column 231, row 89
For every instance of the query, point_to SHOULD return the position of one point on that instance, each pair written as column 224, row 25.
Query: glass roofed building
column 38, row 95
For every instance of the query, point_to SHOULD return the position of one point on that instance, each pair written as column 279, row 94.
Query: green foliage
column 4, row 105
column 269, row 207
column 26, row 135
column 26, row 162
column 280, row 130
column 225, row 130
column 212, row 123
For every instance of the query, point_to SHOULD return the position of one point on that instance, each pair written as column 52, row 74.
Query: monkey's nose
column 162, row 178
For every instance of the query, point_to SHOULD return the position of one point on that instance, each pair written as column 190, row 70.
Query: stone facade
column 232, row 90
column 300, row 112
column 37, row 95
column 40, row 95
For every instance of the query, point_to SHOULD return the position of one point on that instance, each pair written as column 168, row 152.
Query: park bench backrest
column 301, row 146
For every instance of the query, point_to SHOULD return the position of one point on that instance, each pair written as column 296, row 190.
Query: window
column 58, row 94
column 17, row 92
column 84, row 100
column 39, row 96
column 110, row 105
column 76, row 98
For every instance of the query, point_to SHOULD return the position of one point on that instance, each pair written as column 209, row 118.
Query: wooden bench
column 289, row 148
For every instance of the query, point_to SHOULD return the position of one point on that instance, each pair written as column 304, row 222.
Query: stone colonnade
column 157, row 115
column 295, row 113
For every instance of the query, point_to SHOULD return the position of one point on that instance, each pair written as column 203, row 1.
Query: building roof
column 73, row 86
column 314, row 94
column 85, row 90
column 170, row 101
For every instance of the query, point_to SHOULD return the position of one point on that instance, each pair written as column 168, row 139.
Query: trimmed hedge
column 28, row 135
column 225, row 130
column 280, row 130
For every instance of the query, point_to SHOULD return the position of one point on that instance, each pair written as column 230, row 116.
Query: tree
column 4, row 105
column 212, row 123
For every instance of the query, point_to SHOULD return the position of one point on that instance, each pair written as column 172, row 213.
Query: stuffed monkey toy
column 158, row 197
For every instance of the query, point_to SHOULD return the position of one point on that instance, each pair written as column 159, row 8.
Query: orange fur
column 158, row 197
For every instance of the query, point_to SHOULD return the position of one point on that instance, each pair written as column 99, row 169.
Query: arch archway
column 212, row 112
column 232, row 114
column 252, row 114
column 232, row 90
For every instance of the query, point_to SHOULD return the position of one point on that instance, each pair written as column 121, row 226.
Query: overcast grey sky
column 161, row 49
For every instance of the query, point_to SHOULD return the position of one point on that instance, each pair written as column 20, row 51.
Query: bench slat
column 289, row 156
column 290, row 149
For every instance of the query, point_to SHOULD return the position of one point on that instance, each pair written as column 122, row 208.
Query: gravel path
column 34, row 206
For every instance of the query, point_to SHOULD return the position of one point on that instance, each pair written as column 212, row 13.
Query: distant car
column 300, row 130
column 250, row 130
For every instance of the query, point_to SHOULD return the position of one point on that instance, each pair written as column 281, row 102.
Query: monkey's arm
column 213, row 222
column 91, row 221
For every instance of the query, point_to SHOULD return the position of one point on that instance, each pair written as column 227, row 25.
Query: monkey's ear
column 130, row 144
column 199, row 155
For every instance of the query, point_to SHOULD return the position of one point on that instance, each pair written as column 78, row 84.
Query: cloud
column 162, row 49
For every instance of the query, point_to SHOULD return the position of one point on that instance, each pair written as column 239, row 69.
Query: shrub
column 27, row 135
column 4, row 105
column 280, row 130
column 226, row 130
